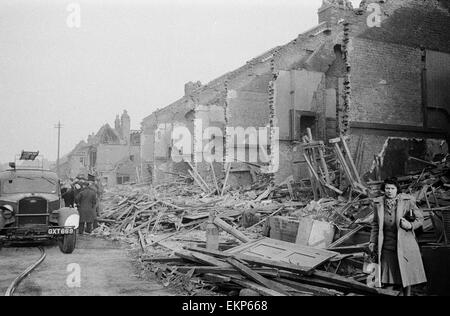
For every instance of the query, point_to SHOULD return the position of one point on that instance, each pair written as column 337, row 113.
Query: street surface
column 106, row 268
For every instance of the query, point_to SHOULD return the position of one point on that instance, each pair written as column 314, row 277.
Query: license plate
column 61, row 231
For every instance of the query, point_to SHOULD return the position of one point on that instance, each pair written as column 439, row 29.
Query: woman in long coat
column 396, row 217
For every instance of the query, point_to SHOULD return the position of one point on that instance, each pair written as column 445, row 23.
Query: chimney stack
column 333, row 10
column 126, row 126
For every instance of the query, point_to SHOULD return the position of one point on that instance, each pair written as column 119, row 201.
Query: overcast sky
column 130, row 54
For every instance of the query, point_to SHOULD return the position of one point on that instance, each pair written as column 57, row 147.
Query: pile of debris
column 275, row 239
column 265, row 267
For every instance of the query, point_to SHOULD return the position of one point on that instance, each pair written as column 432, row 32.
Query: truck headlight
column 72, row 221
column 7, row 211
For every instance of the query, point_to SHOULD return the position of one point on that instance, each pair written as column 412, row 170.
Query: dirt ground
column 106, row 268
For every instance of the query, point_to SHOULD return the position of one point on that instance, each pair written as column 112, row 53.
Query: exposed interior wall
column 212, row 117
column 295, row 91
column 386, row 83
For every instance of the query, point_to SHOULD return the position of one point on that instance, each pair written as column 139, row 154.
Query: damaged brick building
column 385, row 85
column 112, row 153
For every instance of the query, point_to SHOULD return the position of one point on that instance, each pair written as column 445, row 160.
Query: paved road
column 106, row 268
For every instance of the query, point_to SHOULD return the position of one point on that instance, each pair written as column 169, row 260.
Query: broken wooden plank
column 324, row 165
column 267, row 272
column 354, row 285
column 216, row 278
column 291, row 291
column 344, row 238
column 226, row 178
column 333, row 281
column 344, row 165
column 163, row 259
column 246, row 271
column 258, row 288
column 199, row 176
column 231, row 230
column 142, row 241
column 265, row 194
column 350, row 159
column 197, row 181
column 316, row 290
column 187, row 255
column 255, row 260
column 214, row 177
column 209, row 260
column 265, row 219
column 432, row 164
column 175, row 233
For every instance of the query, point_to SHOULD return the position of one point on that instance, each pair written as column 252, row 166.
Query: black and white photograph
column 224, row 153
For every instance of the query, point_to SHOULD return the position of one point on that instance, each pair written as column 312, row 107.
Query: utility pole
column 58, row 126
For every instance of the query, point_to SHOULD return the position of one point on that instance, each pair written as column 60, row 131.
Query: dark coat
column 68, row 196
column 87, row 204
column 408, row 251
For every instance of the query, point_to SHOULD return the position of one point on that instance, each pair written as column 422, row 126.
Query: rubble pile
column 270, row 241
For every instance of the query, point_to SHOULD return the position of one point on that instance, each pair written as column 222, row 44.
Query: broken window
column 123, row 179
column 93, row 158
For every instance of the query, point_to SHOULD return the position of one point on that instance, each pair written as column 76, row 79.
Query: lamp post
column 58, row 126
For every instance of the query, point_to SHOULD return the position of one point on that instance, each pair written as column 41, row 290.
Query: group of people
column 85, row 195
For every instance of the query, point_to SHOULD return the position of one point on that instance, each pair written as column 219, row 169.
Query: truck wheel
column 67, row 243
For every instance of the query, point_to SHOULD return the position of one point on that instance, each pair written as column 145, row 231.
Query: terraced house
column 113, row 154
column 379, row 74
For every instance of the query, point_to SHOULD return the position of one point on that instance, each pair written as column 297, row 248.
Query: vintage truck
column 32, row 210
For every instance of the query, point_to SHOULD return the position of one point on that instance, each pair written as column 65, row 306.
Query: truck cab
column 31, row 209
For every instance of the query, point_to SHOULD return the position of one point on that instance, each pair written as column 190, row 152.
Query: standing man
column 87, row 206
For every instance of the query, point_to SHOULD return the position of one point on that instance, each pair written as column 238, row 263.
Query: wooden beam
column 324, row 165
column 339, row 283
column 255, row 260
column 316, row 290
column 209, row 260
column 163, row 259
column 187, row 255
column 431, row 164
column 226, row 178
column 345, row 238
column 216, row 278
column 267, row 272
column 350, row 159
column 354, row 285
column 215, row 178
column 246, row 271
column 258, row 288
column 344, row 165
column 198, row 175
column 231, row 230
column 197, row 181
